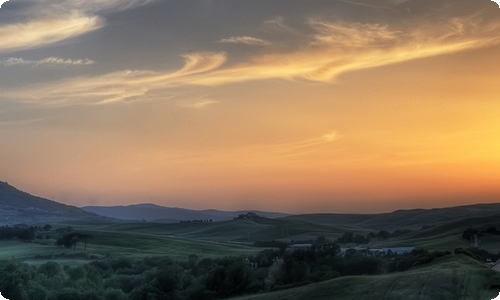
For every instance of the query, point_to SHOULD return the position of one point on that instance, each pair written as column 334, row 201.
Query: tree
column 469, row 233
column 71, row 239
column 383, row 234
column 359, row 239
column 346, row 238
column 84, row 237
column 50, row 269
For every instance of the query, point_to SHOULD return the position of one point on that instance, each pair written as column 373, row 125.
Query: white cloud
column 334, row 49
column 2, row 2
column 330, row 137
column 12, row 61
column 48, row 22
column 82, row 6
column 369, row 5
column 117, row 86
column 355, row 35
column 296, row 148
column 45, row 31
column 197, row 104
column 248, row 40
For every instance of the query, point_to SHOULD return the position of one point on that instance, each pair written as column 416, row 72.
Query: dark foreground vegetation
column 194, row 278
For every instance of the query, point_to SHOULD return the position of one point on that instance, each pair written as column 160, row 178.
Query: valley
column 334, row 260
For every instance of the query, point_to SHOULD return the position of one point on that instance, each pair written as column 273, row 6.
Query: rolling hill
column 455, row 277
column 20, row 207
column 401, row 219
column 157, row 213
column 246, row 230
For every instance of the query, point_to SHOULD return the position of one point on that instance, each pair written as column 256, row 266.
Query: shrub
column 428, row 258
column 468, row 253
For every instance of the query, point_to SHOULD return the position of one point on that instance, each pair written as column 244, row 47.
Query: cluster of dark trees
column 196, row 221
column 351, row 237
column 470, row 232
column 484, row 255
column 71, row 239
column 248, row 215
column 194, row 278
column 272, row 244
column 24, row 234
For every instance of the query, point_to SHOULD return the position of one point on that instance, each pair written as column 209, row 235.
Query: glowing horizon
column 287, row 106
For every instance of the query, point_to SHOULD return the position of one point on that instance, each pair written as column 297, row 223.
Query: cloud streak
column 50, row 22
column 196, row 104
column 14, row 61
column 247, row 40
column 334, row 48
column 45, row 31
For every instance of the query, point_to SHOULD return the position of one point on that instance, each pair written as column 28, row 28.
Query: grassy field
column 455, row 278
column 36, row 253
column 233, row 238
column 240, row 230
column 461, row 216
column 120, row 244
column 139, row 245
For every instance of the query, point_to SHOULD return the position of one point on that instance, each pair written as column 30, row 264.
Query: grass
column 139, row 245
column 412, row 219
column 37, row 253
column 120, row 244
column 455, row 277
column 240, row 230
column 231, row 238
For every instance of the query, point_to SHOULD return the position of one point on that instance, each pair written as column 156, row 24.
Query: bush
column 50, row 269
column 468, row 253
column 430, row 257
column 114, row 294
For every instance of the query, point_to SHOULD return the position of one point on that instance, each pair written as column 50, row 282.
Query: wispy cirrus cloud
column 368, row 4
column 334, row 48
column 266, row 153
column 55, row 7
column 247, row 40
column 117, row 86
column 45, row 31
column 14, row 61
column 49, row 22
column 197, row 103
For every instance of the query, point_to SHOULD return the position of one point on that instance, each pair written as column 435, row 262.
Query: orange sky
column 339, row 107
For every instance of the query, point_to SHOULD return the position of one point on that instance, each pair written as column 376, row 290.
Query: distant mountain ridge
column 153, row 212
column 17, row 207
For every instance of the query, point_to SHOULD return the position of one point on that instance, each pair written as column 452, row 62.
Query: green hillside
column 415, row 218
column 445, row 236
column 240, row 230
column 456, row 277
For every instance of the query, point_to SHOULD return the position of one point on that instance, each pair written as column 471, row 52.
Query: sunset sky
column 285, row 105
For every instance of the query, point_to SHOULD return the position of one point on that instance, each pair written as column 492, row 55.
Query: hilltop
column 17, row 207
column 157, row 213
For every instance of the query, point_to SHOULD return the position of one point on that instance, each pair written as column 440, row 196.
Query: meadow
column 211, row 255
